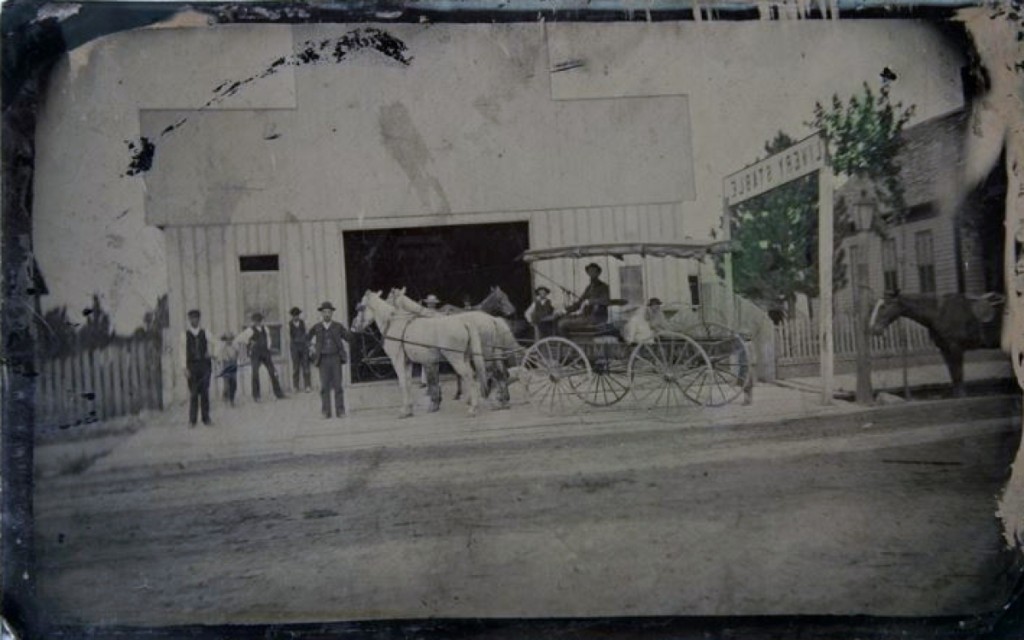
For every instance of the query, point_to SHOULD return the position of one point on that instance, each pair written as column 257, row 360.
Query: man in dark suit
column 593, row 302
column 195, row 359
column 329, row 356
column 300, row 350
column 257, row 337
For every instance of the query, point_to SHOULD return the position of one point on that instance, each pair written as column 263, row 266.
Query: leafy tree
column 864, row 141
column 776, row 237
column 156, row 320
column 56, row 334
column 776, row 233
column 98, row 331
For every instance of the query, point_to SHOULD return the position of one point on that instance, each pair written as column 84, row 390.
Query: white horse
column 499, row 345
column 409, row 339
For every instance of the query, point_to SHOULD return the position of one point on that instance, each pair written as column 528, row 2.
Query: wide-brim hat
column 295, row 311
column 432, row 298
column 326, row 305
column 593, row 265
column 193, row 313
column 653, row 301
column 544, row 289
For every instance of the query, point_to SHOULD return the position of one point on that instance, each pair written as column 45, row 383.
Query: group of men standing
column 322, row 345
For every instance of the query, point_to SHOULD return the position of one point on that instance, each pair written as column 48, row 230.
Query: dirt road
column 885, row 512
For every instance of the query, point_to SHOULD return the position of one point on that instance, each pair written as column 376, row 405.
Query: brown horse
column 955, row 322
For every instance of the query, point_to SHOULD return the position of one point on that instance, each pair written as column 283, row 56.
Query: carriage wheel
column 379, row 368
column 553, row 370
column 732, row 372
column 374, row 361
column 610, row 380
column 666, row 373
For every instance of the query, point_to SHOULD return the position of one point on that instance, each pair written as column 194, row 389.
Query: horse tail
column 476, row 352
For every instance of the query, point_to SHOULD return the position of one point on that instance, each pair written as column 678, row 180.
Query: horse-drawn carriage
column 692, row 361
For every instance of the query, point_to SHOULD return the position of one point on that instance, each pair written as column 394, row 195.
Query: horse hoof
column 434, row 408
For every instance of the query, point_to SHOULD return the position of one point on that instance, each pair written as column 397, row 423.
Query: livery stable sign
column 797, row 161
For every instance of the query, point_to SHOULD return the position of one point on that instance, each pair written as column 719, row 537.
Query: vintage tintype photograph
column 402, row 316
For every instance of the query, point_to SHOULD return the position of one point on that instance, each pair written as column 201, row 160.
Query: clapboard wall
column 203, row 260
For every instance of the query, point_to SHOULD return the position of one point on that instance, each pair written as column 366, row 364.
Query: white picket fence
column 797, row 340
column 91, row 385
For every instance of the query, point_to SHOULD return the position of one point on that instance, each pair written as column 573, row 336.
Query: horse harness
column 403, row 341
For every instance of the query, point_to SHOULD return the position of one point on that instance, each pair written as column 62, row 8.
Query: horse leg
column 954, row 359
column 404, row 371
column 434, row 386
column 956, row 371
column 500, row 379
column 465, row 373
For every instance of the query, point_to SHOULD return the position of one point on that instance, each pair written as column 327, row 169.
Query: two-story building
column 937, row 245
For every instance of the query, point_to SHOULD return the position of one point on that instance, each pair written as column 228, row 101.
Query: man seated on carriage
column 593, row 302
column 645, row 323
column 541, row 313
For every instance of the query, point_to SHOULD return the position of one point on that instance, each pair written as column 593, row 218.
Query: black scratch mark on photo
column 311, row 52
column 142, row 156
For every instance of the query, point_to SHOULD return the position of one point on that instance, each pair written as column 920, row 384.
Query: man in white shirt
column 196, row 364
column 257, row 337
column 541, row 313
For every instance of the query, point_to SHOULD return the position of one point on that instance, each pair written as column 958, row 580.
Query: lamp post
column 863, row 214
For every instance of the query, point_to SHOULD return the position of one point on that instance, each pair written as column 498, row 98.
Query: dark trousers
column 199, row 390
column 265, row 360
column 300, row 364
column 230, row 375
column 330, row 380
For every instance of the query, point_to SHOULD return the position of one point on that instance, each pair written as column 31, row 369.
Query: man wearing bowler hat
column 593, row 302
column 329, row 356
column 300, row 350
column 257, row 337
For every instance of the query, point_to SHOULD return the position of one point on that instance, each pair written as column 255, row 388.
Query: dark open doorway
column 451, row 262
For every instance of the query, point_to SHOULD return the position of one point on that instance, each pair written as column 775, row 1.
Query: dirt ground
column 888, row 511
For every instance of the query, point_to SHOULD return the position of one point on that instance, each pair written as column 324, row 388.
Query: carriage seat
column 597, row 333
column 986, row 307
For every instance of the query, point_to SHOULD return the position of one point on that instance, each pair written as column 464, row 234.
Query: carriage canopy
column 620, row 249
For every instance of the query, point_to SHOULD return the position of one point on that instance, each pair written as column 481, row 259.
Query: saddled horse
column 409, row 339
column 498, row 343
column 956, row 323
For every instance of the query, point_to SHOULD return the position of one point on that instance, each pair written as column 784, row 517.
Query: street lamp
column 864, row 214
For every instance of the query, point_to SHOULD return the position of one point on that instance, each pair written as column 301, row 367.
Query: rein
column 404, row 342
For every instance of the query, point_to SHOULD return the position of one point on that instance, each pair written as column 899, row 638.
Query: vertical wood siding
column 203, row 261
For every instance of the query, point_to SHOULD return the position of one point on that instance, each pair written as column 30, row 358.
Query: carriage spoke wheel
column 667, row 374
column 731, row 371
column 609, row 382
column 553, row 371
column 374, row 361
